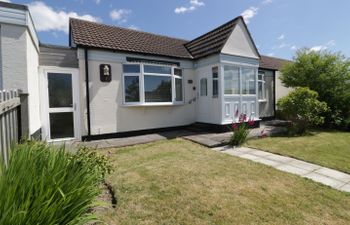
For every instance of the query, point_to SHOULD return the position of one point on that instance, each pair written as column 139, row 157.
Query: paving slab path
column 330, row 177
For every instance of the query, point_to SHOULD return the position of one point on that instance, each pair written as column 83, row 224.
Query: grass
column 326, row 148
column 179, row 182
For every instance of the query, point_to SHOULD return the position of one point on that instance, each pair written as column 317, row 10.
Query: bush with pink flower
column 241, row 130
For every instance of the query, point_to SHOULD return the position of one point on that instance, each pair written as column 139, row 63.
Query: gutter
column 87, row 93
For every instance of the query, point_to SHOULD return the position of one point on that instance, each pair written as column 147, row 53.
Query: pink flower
column 234, row 126
column 251, row 122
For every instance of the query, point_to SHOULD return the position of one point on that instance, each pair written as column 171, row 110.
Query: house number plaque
column 105, row 73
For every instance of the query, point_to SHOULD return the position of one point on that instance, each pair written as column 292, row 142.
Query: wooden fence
column 9, row 121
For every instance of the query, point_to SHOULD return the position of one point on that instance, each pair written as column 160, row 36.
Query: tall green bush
column 326, row 73
column 43, row 185
column 302, row 107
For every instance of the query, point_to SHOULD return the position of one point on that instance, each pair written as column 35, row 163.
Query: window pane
column 178, row 89
column 61, row 125
column 215, row 72
column 60, row 90
column 132, row 90
column 260, row 91
column 231, row 79
column 131, row 68
column 203, row 87
column 178, row 72
column 157, row 69
column 215, row 88
column 248, row 81
column 157, row 88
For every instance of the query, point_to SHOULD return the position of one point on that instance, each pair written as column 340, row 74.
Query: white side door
column 203, row 98
column 60, row 104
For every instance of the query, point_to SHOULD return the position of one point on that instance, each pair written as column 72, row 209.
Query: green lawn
column 179, row 182
column 330, row 149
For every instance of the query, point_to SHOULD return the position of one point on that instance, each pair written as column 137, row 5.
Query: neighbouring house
column 112, row 81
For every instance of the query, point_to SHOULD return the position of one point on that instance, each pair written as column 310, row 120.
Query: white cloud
column 5, row 1
column 133, row 27
column 265, row 2
column 281, row 37
column 97, row 1
column 249, row 13
column 194, row 4
column 331, row 43
column 317, row 48
column 294, row 47
column 48, row 19
column 271, row 54
column 119, row 15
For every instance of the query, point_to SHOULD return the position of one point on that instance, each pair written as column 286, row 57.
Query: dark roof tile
column 116, row 38
column 272, row 63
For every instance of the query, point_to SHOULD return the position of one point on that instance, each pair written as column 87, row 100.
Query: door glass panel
column 61, row 125
column 60, row 90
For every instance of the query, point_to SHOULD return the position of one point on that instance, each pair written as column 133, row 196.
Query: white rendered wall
column 239, row 43
column 33, row 86
column 107, row 112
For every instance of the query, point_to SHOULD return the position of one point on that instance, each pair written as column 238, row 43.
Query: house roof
column 272, row 63
column 211, row 42
column 98, row 35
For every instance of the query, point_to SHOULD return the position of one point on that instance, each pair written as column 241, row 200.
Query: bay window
column 147, row 84
column 239, row 80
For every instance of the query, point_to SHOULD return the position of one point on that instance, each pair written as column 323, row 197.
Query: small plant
column 97, row 164
column 241, row 130
column 43, row 184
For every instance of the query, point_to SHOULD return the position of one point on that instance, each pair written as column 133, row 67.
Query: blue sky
column 278, row 27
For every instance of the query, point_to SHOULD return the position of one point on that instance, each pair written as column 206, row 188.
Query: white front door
column 60, row 104
column 203, row 99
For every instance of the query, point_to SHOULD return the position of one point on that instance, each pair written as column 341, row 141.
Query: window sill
column 262, row 100
column 153, row 104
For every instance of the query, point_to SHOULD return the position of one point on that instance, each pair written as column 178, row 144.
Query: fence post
column 23, row 115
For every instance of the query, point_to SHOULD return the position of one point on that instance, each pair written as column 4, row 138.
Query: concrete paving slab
column 334, row 174
column 268, row 162
column 261, row 153
column 279, row 158
column 249, row 156
column 324, row 180
column 292, row 169
column 345, row 188
column 304, row 165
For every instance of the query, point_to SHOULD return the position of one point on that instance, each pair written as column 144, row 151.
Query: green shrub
column 326, row 73
column 46, row 185
column 302, row 108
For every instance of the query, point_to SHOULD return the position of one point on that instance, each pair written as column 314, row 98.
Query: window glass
column 203, row 87
column 231, row 80
column 157, row 69
column 60, row 90
column 215, row 72
column 131, row 89
column 178, row 72
column 248, row 81
column 131, row 68
column 157, row 88
column 261, row 85
column 178, row 90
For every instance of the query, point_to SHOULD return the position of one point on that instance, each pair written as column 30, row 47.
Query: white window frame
column 142, row 75
column 262, row 81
